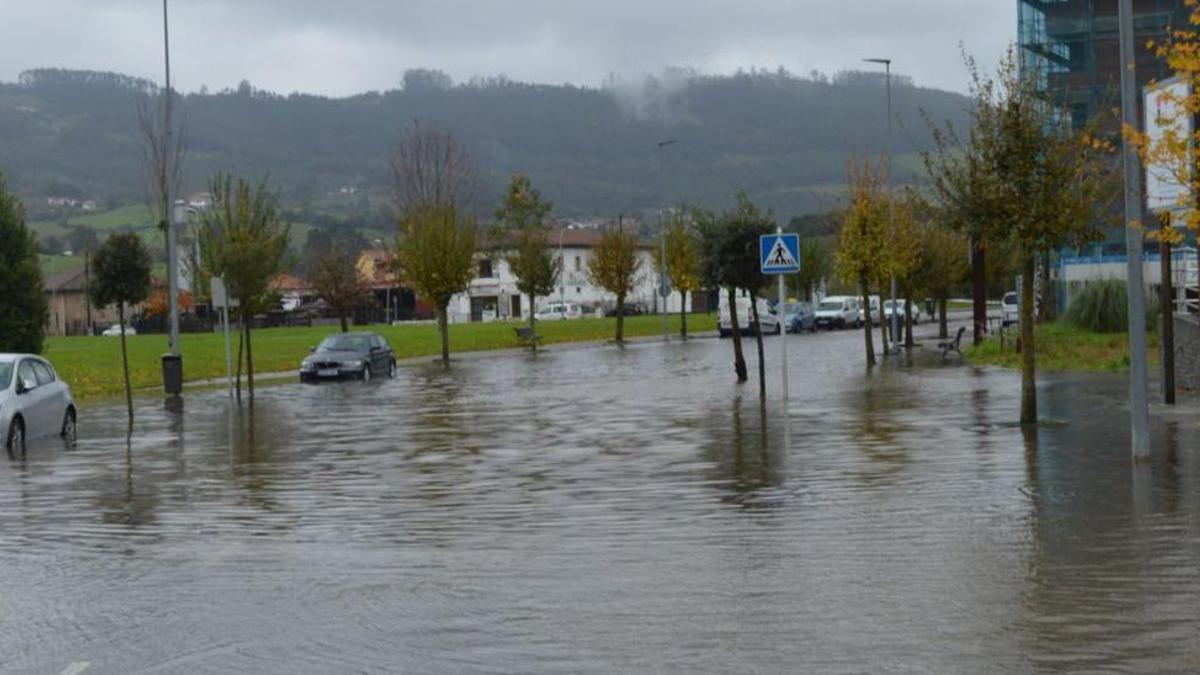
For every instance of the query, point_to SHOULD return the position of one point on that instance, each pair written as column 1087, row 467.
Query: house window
column 578, row 290
column 578, row 263
column 485, row 268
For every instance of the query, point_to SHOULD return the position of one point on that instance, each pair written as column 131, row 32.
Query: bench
column 953, row 345
column 527, row 337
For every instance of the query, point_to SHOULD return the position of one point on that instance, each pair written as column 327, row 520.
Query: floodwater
column 601, row 510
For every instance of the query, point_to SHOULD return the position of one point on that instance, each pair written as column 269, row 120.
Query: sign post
column 779, row 255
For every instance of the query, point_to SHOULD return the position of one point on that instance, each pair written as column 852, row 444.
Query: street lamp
column 662, row 253
column 887, row 65
column 1139, row 414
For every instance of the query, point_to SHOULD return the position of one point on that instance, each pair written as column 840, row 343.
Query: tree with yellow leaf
column 862, row 240
column 682, row 261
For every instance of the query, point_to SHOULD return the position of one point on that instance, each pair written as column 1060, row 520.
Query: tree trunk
column 979, row 291
column 345, row 326
column 532, row 321
column 739, row 359
column 620, row 318
column 1044, row 310
column 943, row 331
column 885, row 326
column 125, row 360
column 908, row 338
column 249, row 360
column 241, row 344
column 1167, row 333
column 1029, row 413
column 683, row 314
column 808, row 291
column 762, row 362
column 866, row 296
column 444, row 331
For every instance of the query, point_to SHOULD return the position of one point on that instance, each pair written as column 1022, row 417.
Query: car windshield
column 1010, row 298
column 831, row 305
column 344, row 343
column 6, row 370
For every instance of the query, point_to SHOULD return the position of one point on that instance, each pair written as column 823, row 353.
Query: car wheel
column 69, row 428
column 16, row 437
column 779, row 329
column 392, row 370
column 366, row 374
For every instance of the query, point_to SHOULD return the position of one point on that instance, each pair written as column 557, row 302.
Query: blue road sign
column 779, row 253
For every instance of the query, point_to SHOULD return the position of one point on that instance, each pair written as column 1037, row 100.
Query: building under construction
column 1072, row 48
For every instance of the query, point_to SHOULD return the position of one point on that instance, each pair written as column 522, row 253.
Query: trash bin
column 172, row 369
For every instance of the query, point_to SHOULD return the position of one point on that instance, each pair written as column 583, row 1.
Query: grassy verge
column 1062, row 347
column 92, row 365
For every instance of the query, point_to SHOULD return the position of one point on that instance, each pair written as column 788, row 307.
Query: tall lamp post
column 663, row 282
column 887, row 65
column 1139, row 413
column 169, row 214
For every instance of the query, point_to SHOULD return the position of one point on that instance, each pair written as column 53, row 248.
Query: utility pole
column 1139, row 412
column 87, row 287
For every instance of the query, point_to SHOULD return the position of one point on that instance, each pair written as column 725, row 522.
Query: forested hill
column 782, row 138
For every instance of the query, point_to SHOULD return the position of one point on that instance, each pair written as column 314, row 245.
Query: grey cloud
column 340, row 48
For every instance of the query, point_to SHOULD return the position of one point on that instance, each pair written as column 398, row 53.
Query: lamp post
column 663, row 281
column 887, row 65
column 169, row 214
column 1139, row 413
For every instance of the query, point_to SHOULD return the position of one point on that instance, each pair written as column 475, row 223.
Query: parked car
column 771, row 323
column 115, row 331
column 800, row 317
column 887, row 310
column 359, row 356
column 34, row 401
column 558, row 311
column 1010, row 309
column 839, row 311
column 630, row 309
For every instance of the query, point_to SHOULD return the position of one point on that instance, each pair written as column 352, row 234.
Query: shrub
column 1103, row 307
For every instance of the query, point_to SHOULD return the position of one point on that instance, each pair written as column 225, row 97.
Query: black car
column 349, row 355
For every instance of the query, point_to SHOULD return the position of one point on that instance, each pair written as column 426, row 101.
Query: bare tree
column 431, row 169
column 434, row 186
column 163, row 154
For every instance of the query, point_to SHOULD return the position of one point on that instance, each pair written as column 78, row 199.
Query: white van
column 771, row 323
column 839, row 311
column 557, row 311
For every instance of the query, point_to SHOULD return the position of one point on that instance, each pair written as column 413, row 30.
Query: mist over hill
column 782, row 138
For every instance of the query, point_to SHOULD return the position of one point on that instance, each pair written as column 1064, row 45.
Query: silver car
column 34, row 402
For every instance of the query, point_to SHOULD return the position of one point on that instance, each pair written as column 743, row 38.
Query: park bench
column 953, row 345
column 527, row 337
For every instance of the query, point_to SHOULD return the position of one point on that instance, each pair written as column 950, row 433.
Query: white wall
column 575, row 285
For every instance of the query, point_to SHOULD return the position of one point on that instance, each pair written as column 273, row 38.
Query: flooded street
column 591, row 509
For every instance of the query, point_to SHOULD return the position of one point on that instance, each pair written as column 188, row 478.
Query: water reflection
column 608, row 510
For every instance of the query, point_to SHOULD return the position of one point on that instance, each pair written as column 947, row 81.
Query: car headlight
column 306, row 365
column 352, row 364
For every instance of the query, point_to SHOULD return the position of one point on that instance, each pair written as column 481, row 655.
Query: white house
column 493, row 293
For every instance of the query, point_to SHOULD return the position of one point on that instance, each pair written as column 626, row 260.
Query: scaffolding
column 1071, row 49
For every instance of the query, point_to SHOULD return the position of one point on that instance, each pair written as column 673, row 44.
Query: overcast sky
column 340, row 47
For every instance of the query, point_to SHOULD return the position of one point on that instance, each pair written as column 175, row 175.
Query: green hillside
column 782, row 138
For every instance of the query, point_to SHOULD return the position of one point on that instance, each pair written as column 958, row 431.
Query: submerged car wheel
column 69, row 428
column 366, row 374
column 391, row 370
column 16, row 437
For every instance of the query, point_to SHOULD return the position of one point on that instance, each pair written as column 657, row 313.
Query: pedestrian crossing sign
column 779, row 253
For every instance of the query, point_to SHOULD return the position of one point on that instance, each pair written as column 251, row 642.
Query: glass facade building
column 1072, row 49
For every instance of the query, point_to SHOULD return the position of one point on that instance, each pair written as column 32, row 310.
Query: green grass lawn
column 53, row 264
column 1062, row 347
column 92, row 365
